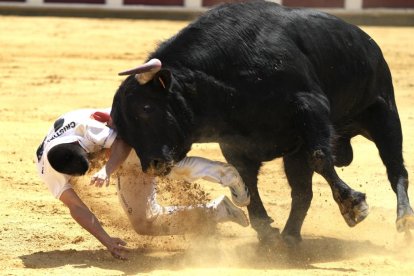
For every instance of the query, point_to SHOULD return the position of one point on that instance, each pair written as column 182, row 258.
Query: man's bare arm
column 85, row 218
column 119, row 152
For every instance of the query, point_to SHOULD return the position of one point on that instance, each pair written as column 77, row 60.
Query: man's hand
column 117, row 248
column 99, row 178
column 81, row 213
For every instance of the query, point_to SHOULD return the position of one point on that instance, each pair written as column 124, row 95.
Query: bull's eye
column 148, row 109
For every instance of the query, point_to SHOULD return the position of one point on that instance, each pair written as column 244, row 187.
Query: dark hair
column 69, row 158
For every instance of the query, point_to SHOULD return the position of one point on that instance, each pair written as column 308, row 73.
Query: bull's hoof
column 354, row 209
column 269, row 236
column 291, row 241
column 405, row 223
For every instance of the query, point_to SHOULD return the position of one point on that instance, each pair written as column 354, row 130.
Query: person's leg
column 193, row 168
column 137, row 194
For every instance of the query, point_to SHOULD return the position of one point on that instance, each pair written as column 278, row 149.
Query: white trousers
column 137, row 195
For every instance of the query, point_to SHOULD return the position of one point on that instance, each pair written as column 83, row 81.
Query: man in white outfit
column 64, row 154
column 137, row 194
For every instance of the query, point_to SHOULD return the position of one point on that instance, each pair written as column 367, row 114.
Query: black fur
column 266, row 81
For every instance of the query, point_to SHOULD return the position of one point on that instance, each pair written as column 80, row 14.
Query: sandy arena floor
column 52, row 65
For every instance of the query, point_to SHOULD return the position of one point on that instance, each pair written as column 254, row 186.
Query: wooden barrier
column 359, row 12
column 340, row 4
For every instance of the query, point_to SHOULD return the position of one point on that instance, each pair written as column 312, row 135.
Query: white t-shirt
column 77, row 125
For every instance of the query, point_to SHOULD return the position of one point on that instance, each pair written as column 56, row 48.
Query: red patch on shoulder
column 101, row 116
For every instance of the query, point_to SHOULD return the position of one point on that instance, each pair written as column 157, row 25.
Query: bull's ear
column 163, row 79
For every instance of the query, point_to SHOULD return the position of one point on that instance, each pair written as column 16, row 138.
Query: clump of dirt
column 178, row 192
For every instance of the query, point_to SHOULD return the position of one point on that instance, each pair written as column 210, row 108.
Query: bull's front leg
column 299, row 176
column 248, row 170
column 259, row 219
column 313, row 123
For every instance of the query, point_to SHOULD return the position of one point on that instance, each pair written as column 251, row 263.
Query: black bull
column 265, row 81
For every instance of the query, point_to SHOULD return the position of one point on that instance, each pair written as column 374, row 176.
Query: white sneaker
column 239, row 191
column 225, row 210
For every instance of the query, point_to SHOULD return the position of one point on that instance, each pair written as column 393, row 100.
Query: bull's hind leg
column 383, row 127
column 312, row 122
column 299, row 175
column 248, row 170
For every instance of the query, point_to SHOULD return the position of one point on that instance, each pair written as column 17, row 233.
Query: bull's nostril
column 154, row 163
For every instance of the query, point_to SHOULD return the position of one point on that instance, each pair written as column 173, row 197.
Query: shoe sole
column 237, row 201
column 237, row 215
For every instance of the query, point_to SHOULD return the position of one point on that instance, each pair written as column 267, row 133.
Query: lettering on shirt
column 61, row 131
column 58, row 132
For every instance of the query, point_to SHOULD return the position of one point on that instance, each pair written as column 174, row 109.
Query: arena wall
column 340, row 4
column 368, row 12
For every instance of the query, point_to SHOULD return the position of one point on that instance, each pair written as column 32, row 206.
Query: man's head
column 68, row 158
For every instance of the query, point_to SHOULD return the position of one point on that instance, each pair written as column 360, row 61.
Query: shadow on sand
column 248, row 256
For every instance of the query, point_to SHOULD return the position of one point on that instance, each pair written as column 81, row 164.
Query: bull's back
column 346, row 63
column 263, row 46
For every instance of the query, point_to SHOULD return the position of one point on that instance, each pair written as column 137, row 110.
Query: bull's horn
column 144, row 73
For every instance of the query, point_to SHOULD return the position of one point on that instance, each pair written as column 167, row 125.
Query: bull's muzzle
column 159, row 167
